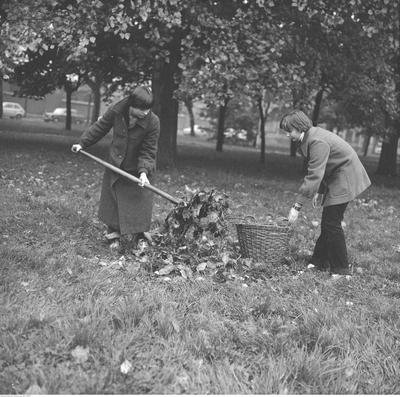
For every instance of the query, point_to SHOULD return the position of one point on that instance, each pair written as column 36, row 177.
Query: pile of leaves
column 194, row 242
column 203, row 216
column 194, row 238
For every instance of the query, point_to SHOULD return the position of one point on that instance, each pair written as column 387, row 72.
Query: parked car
column 229, row 133
column 13, row 110
column 238, row 137
column 60, row 114
column 197, row 130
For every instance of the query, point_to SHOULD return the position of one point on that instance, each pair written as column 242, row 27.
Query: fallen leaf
column 186, row 272
column 80, row 354
column 201, row 266
column 133, row 267
column 349, row 372
column 310, row 266
column 126, row 366
column 35, row 389
column 165, row 270
column 225, row 258
column 176, row 326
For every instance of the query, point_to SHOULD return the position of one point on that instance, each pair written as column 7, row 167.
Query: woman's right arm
column 98, row 129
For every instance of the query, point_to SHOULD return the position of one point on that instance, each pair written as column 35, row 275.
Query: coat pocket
column 338, row 184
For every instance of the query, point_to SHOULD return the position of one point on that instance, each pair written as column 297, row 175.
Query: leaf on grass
column 133, row 267
column 80, row 354
column 186, row 272
column 212, row 265
column 35, row 389
column 213, row 217
column 166, row 270
column 176, row 326
column 349, row 372
column 126, row 367
column 201, row 266
column 225, row 258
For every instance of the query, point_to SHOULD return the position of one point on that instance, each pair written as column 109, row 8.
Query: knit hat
column 141, row 97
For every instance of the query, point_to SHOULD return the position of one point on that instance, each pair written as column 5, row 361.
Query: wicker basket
column 267, row 243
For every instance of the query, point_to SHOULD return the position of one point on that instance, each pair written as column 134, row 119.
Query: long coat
column 333, row 168
column 123, row 204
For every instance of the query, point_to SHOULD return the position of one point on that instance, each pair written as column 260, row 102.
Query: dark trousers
column 330, row 248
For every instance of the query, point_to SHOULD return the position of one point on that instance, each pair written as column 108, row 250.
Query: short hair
column 141, row 97
column 295, row 119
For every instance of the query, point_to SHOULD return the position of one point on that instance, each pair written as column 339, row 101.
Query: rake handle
column 131, row 177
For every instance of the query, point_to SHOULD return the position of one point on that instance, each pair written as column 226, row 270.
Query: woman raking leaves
column 125, row 207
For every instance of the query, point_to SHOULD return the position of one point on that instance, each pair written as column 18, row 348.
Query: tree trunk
column 1, row 96
column 367, row 140
column 189, row 106
column 255, row 141
column 221, row 125
column 388, row 159
column 89, row 106
column 68, row 91
column 96, row 102
column 165, row 105
column 317, row 105
column 263, row 117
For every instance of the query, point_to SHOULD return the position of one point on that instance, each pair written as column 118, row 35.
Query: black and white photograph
column 199, row 197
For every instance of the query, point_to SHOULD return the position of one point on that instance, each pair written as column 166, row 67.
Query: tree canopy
column 301, row 52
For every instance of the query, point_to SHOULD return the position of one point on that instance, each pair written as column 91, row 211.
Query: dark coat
column 123, row 204
column 333, row 168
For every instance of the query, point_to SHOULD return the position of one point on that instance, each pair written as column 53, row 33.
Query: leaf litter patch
column 194, row 242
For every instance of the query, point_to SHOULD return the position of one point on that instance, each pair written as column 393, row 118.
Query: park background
column 76, row 318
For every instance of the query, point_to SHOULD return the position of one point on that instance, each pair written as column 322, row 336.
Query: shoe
column 115, row 245
column 313, row 268
column 112, row 236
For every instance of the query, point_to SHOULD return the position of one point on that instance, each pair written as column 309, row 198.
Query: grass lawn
column 75, row 318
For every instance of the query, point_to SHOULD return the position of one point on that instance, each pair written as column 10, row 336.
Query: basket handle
column 251, row 219
column 282, row 219
column 245, row 219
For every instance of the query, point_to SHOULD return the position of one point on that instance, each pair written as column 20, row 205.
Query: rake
column 132, row 178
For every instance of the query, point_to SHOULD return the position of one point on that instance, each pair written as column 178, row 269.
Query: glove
column 143, row 179
column 76, row 147
column 317, row 200
column 294, row 212
column 293, row 215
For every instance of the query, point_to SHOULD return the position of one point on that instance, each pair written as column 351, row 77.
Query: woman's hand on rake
column 143, row 179
column 76, row 148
